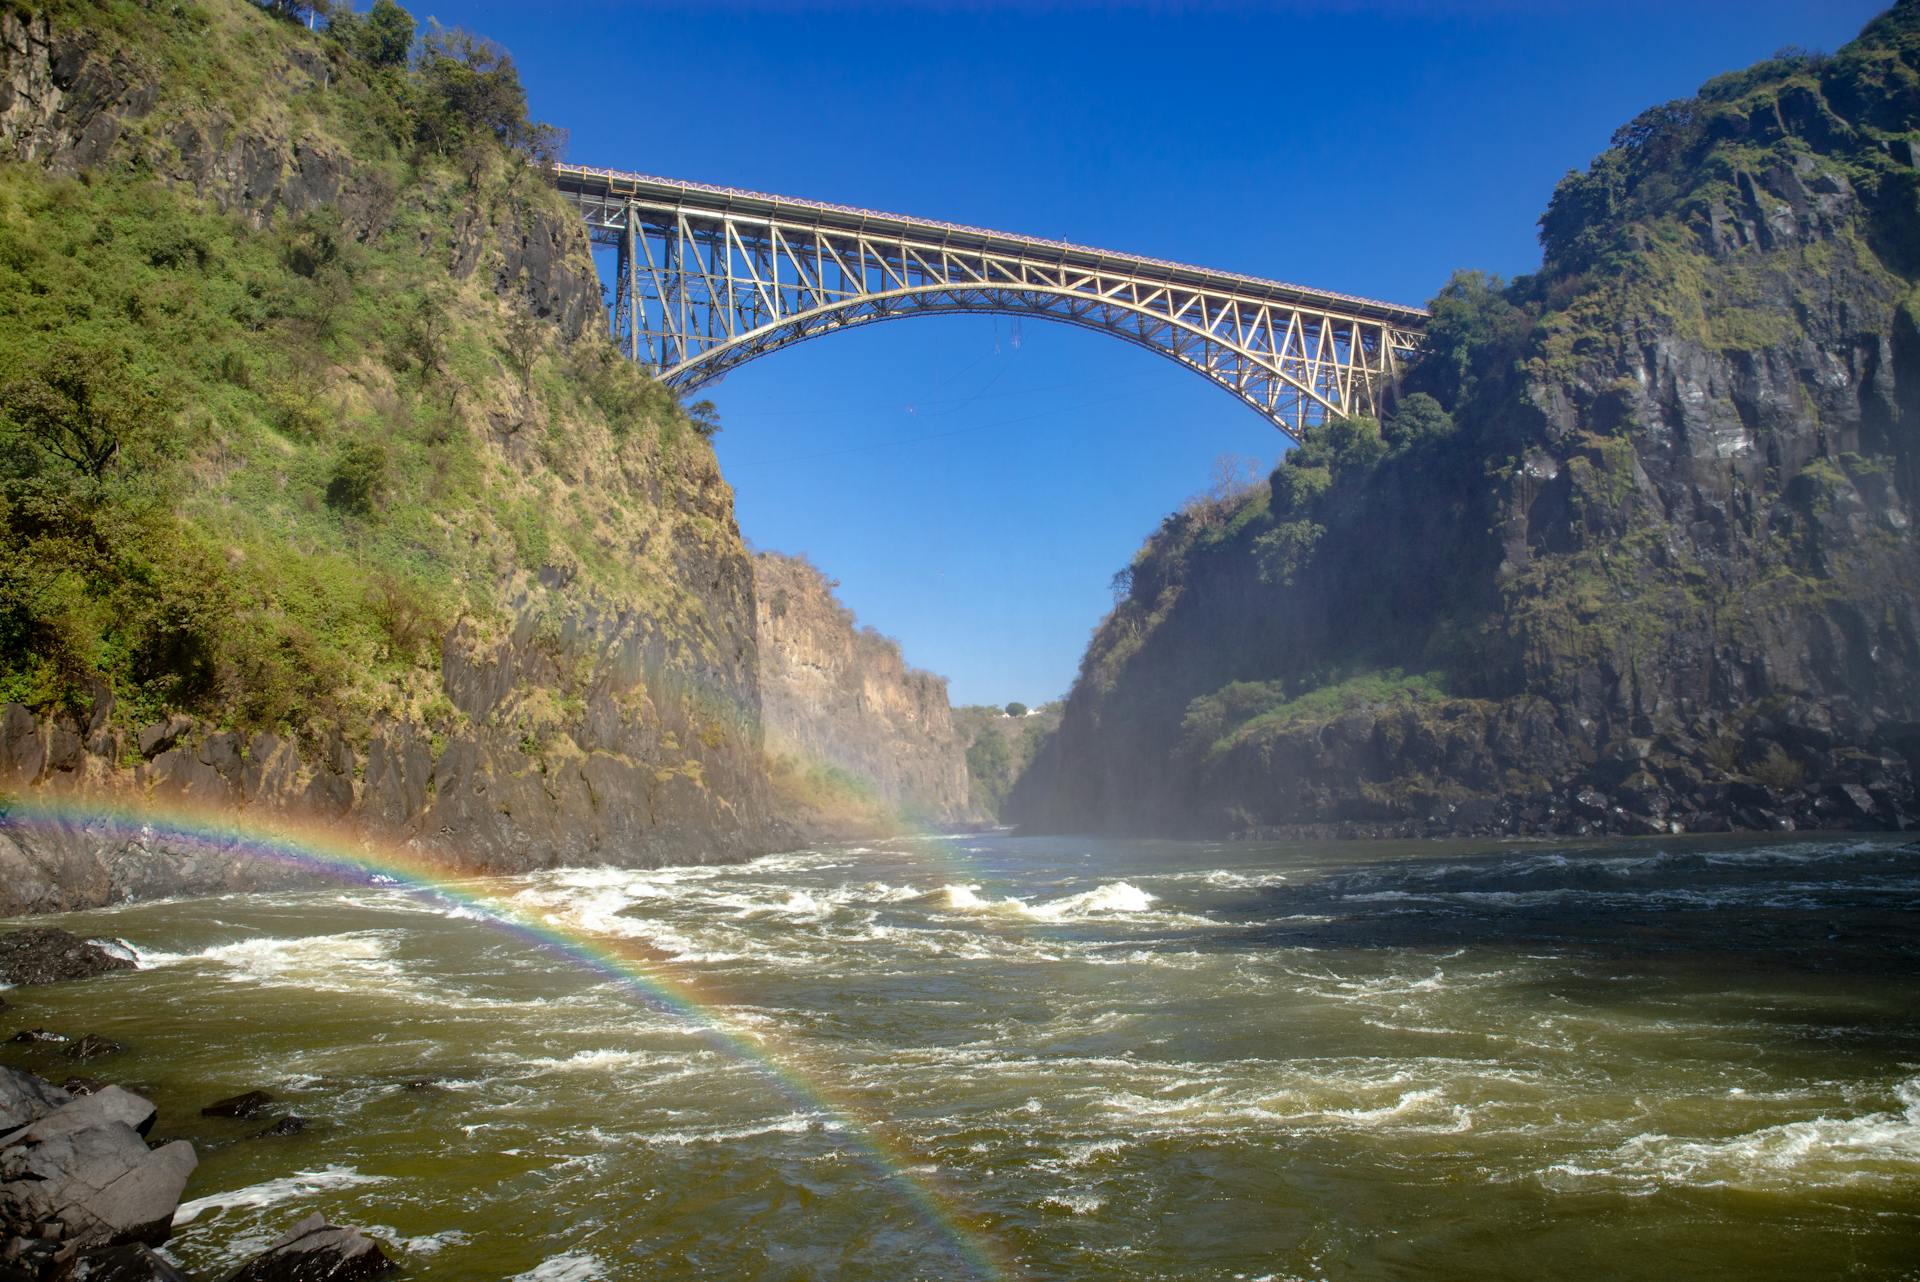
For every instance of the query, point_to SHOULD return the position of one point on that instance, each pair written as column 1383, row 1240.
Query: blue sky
column 974, row 483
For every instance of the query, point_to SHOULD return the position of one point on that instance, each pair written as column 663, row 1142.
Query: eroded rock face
column 836, row 694
column 1664, row 564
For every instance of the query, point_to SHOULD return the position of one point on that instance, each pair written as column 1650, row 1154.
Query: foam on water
column 574, row 1266
column 351, row 962
column 1876, row 1148
column 274, row 1192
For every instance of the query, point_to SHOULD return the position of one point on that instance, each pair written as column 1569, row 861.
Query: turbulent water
column 1111, row 1060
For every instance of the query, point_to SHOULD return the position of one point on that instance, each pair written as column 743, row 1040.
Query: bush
column 358, row 478
column 1016, row 709
column 1418, row 420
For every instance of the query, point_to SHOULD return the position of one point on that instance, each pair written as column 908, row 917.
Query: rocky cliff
column 839, row 696
column 322, row 492
column 1632, row 550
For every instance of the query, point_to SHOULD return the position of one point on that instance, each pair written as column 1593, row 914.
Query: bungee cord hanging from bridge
column 708, row 278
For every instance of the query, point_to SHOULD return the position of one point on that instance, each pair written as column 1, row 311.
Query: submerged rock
column 92, row 1046
column 32, row 1036
column 249, row 1105
column 46, row 955
column 315, row 1251
column 288, row 1125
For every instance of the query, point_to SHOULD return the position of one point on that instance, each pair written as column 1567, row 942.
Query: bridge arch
column 709, row 278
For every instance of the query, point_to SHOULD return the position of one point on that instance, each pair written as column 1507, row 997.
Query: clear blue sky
column 973, row 484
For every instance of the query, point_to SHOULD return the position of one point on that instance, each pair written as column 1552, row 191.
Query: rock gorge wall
column 1634, row 551
column 585, row 686
column 836, row 694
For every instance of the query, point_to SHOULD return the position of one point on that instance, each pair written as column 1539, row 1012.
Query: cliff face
column 1633, row 551
column 389, row 535
column 841, row 696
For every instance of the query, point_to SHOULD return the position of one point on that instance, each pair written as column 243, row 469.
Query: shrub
column 358, row 478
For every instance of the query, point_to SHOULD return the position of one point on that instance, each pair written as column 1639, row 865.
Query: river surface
column 1060, row 1058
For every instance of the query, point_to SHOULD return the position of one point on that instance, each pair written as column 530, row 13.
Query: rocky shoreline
column 88, row 1193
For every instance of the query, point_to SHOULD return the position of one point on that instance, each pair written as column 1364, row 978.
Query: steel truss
column 711, row 277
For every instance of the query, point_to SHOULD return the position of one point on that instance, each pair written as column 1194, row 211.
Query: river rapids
column 1059, row 1058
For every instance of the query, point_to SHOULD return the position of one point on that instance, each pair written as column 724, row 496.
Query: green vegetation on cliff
column 321, row 486
column 260, row 460
column 1643, row 520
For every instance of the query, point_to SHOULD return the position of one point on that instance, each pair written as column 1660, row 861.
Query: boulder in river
column 315, row 1251
column 251, row 1104
column 28, row 1036
column 46, row 955
column 288, row 1125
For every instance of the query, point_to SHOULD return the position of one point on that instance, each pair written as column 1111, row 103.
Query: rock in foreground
column 315, row 1251
column 45, row 955
column 76, row 1176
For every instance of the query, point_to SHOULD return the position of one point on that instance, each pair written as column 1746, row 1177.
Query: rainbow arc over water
column 326, row 851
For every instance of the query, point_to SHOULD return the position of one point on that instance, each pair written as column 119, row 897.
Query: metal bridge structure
column 708, row 278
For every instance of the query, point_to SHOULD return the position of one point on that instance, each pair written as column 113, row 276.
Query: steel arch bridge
column 711, row 277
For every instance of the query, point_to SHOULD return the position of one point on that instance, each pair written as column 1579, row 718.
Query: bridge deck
column 586, row 182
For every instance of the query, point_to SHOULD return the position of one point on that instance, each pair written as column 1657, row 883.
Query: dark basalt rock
column 288, row 1125
column 46, row 955
column 32, row 1036
column 249, row 1105
column 92, row 1046
column 315, row 1251
column 130, row 1263
column 81, row 1176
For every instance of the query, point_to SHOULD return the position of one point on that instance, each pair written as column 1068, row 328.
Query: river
column 1058, row 1058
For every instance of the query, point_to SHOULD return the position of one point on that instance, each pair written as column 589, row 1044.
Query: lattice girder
column 709, row 278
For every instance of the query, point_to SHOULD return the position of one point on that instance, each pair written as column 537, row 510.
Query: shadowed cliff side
column 322, row 491
column 859, row 738
column 1632, row 551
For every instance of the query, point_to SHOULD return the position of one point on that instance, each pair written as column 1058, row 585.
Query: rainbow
column 315, row 848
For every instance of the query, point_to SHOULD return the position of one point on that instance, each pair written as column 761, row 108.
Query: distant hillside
column 1633, row 549
column 321, row 489
column 999, row 748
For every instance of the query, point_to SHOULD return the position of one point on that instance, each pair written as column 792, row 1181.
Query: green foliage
column 1297, row 487
column 382, row 37
column 469, row 88
column 990, row 764
column 84, row 407
column 1284, row 551
column 1016, row 709
column 704, row 417
column 1472, row 329
column 1776, row 769
column 1415, row 423
column 1245, row 710
column 359, row 477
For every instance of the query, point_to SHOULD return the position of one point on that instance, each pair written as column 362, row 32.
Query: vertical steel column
column 634, row 305
column 622, row 290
